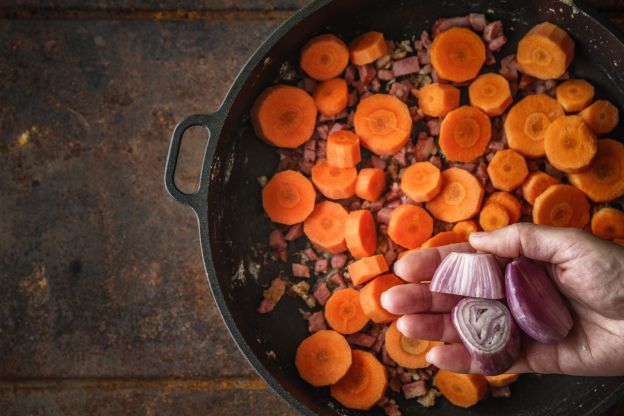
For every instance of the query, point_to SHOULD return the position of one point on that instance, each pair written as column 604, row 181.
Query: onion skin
column 535, row 303
column 476, row 275
column 489, row 333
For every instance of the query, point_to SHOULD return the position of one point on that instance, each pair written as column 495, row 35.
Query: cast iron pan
column 234, row 229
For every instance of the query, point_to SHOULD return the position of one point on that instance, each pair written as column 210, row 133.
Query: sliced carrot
column 367, row 48
column 331, row 96
column 465, row 228
column 507, row 170
column 343, row 312
column 460, row 198
column 323, row 358
column 509, row 202
column 288, row 197
column 383, row 123
column 436, row 99
column 370, row 298
column 444, row 238
column 463, row 390
column 545, row 52
column 561, row 206
column 361, row 233
column 332, row 181
column 410, row 226
column 421, row 181
column 364, row 384
column 604, row 179
column 608, row 223
column 343, row 149
column 501, row 380
column 493, row 216
column 370, row 184
column 570, row 144
column 324, row 57
column 465, row 134
column 284, row 116
column 457, row 54
column 601, row 116
column 407, row 352
column 490, row 93
column 536, row 183
column 325, row 227
column 574, row 94
column 527, row 121
column 364, row 269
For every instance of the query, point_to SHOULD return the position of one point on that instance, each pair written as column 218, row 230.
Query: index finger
column 421, row 264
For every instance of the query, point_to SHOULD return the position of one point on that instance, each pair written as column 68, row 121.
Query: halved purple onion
column 476, row 275
column 489, row 333
column 535, row 302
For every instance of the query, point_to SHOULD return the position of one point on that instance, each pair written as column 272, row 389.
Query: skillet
column 234, row 230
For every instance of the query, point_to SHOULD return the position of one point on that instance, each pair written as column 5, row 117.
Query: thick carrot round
column 457, row 54
column 331, row 96
column 561, row 206
column 507, row 170
column 436, row 100
column 501, row 380
column 490, row 93
column 570, row 144
column 334, row 182
column 325, row 227
column 364, row 269
column 509, row 202
column 527, row 121
column 370, row 184
column 361, row 233
column 608, row 223
column 367, row 48
column 601, row 116
column 323, row 358
column 343, row 149
column 465, row 134
column 604, row 179
column 421, row 181
column 370, row 298
column 284, row 116
column 364, row 384
column 493, row 216
column 383, row 123
column 536, row 183
column 344, row 313
column 288, row 197
column 324, row 57
column 463, row 390
column 465, row 228
column 545, row 52
column 444, row 238
column 574, row 94
column 410, row 226
column 407, row 352
column 460, row 197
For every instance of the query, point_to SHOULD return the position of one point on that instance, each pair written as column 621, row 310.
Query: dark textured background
column 104, row 307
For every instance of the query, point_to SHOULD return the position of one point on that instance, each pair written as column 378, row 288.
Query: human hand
column 589, row 271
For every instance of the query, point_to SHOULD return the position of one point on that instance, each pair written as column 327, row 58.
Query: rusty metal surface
column 104, row 307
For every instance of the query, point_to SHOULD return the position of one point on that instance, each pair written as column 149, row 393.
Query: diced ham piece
column 423, row 148
column 321, row 293
column 497, row 43
column 492, row 31
column 375, row 85
column 423, row 374
column 509, row 67
column 435, row 161
column 425, row 39
column 352, row 99
column 355, row 205
column 300, row 270
column 294, row 232
column 386, row 359
column 424, row 57
column 477, row 21
column 526, row 81
column 361, row 339
column 405, row 377
column 414, row 389
column 500, row 391
column 338, row 261
column 490, row 59
column 385, row 74
column 310, row 254
column 441, row 25
column 392, row 409
column 277, row 241
column 416, row 112
column 383, row 215
column 309, row 84
column 390, row 255
column 400, row 157
column 379, row 342
column 399, row 90
column 405, row 66
column 496, row 145
column 266, row 306
column 335, row 127
column 309, row 150
column 433, row 125
column 377, row 162
column 481, row 173
column 367, row 73
column 322, row 130
column 321, row 265
column 305, row 166
column 321, row 149
column 349, row 74
column 337, row 280
column 272, row 295
column 316, row 322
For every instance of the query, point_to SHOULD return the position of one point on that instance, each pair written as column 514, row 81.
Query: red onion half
column 535, row 302
column 489, row 333
column 476, row 275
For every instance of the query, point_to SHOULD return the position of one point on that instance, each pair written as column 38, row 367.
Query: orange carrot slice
column 604, row 179
column 545, row 52
column 284, row 116
column 436, row 100
column 407, row 352
column 465, row 228
column 601, row 116
column 331, row 96
column 410, row 226
column 364, row 384
column 288, row 197
column 383, row 123
column 463, row 390
column 490, row 93
column 570, row 144
column 457, row 54
column 465, row 133
column 343, row 312
column 536, row 183
column 460, row 198
column 501, row 380
column 493, row 216
column 509, row 202
column 561, row 206
column 370, row 184
column 608, row 223
column 370, row 298
column 507, row 170
column 367, row 48
column 574, row 94
column 343, row 149
column 444, row 238
column 334, row 182
column 361, row 233
column 323, row 358
column 421, row 181
column 324, row 57
column 325, row 227
column 364, row 269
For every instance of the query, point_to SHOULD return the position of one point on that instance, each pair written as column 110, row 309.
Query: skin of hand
column 589, row 271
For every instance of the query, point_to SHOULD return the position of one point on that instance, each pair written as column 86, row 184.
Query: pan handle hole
column 189, row 166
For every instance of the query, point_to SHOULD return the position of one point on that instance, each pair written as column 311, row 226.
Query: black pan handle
column 210, row 122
